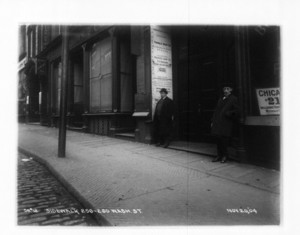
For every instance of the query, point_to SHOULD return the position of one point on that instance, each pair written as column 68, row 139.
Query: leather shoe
column 216, row 159
column 166, row 145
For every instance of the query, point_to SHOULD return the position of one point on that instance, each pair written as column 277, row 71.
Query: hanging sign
column 268, row 101
column 161, row 63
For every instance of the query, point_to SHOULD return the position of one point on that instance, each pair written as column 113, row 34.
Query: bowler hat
column 227, row 84
column 163, row 90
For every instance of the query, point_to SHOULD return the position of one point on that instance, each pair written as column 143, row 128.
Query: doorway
column 198, row 79
column 204, row 58
column 76, row 91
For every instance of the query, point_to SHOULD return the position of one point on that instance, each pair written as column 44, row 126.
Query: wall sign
column 161, row 63
column 268, row 101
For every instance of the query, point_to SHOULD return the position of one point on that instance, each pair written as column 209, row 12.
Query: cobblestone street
column 42, row 200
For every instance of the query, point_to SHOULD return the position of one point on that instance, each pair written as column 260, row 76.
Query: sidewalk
column 170, row 187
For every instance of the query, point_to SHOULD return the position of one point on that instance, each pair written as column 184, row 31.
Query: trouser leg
column 162, row 131
column 225, row 142
column 168, row 133
column 156, row 132
column 166, row 140
column 160, row 138
column 220, row 148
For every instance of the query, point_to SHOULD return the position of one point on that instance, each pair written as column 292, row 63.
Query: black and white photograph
column 149, row 124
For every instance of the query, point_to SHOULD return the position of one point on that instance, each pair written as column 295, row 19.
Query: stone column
column 86, row 86
column 243, row 78
column 116, row 87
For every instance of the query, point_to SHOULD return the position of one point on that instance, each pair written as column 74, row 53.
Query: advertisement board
column 268, row 101
column 161, row 63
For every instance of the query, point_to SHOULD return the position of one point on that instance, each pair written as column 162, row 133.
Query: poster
column 161, row 63
column 268, row 101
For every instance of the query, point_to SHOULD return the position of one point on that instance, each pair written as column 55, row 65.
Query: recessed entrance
column 205, row 59
column 76, row 96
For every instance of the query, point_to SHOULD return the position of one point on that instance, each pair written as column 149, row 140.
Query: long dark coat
column 225, row 115
column 163, row 122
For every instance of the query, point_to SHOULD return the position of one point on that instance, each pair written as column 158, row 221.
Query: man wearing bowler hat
column 163, row 119
column 225, row 115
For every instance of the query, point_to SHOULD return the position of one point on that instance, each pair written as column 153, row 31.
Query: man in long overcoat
column 226, row 113
column 163, row 120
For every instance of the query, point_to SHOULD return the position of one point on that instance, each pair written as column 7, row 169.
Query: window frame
column 91, row 78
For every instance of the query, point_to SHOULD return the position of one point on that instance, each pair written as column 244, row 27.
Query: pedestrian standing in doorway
column 225, row 115
column 163, row 119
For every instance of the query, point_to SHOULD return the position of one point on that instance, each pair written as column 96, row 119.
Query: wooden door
column 198, row 96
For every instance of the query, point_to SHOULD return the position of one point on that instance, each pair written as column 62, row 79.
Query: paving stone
column 31, row 201
column 32, row 220
column 38, row 214
column 73, row 222
column 25, row 206
column 42, row 206
column 55, row 221
column 43, row 203
column 38, row 190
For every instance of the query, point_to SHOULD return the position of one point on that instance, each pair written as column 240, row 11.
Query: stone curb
column 102, row 221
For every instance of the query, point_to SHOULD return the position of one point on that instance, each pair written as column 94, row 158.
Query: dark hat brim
column 227, row 85
column 163, row 90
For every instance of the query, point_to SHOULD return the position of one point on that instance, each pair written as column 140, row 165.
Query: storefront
column 202, row 59
column 101, row 82
column 115, row 73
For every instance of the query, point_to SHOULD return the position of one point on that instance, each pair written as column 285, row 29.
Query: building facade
column 115, row 73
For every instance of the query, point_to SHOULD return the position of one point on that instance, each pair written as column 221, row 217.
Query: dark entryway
column 76, row 91
column 198, row 96
column 205, row 59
